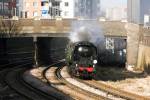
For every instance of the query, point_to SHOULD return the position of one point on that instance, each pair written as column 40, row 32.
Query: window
column 42, row 3
column 26, row 14
column 66, row 4
column 88, row 2
column 35, row 4
column 76, row 4
column 98, row 1
column 17, row 1
column 21, row 13
column 35, row 13
column 55, row 4
column 1, row 7
column 66, row 13
column 26, row 4
column 57, row 12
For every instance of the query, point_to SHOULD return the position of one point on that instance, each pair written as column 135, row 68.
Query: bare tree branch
column 9, row 28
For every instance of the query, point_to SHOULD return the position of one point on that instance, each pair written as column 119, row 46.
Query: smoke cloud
column 87, row 30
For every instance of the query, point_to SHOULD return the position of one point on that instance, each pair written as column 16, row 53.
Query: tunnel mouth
column 113, row 69
column 113, row 53
column 112, row 61
column 51, row 49
column 15, row 50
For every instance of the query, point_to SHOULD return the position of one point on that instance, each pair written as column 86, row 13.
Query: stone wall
column 60, row 28
column 138, row 48
column 143, row 62
column 133, row 37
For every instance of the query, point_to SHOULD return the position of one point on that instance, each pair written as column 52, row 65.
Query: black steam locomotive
column 82, row 59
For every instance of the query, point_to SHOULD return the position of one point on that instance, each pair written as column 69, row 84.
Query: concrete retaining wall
column 143, row 62
column 132, row 45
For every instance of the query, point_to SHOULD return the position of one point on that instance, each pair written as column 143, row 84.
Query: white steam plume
column 87, row 30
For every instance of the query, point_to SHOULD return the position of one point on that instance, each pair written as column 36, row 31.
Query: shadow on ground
column 114, row 73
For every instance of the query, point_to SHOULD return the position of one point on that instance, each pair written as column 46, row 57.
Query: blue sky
column 113, row 3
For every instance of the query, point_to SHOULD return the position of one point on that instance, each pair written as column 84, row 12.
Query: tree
column 9, row 28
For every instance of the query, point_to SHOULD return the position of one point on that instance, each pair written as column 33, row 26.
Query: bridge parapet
column 47, row 27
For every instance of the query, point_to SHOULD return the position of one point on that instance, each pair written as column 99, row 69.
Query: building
column 7, row 8
column 61, row 8
column 54, row 8
column 89, row 9
column 75, row 8
column 137, row 9
column 34, row 8
column 38, row 8
column 147, row 20
column 67, row 8
column 29, row 8
column 116, row 13
column 45, row 9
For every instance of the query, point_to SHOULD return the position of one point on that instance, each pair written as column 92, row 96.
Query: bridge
column 62, row 28
column 138, row 37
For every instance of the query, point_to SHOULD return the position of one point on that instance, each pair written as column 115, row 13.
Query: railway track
column 57, row 77
column 110, row 90
column 41, row 85
column 15, row 80
column 5, row 69
column 114, row 91
column 62, row 95
column 7, row 93
column 90, row 95
column 91, row 90
column 57, row 80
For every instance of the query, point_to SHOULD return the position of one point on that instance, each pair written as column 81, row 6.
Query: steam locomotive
column 82, row 59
